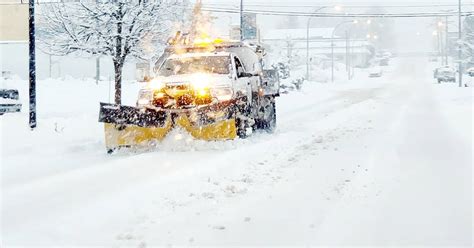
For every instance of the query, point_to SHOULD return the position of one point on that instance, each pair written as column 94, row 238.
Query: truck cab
column 193, row 79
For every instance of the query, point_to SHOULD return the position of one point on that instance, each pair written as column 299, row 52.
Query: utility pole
column 446, row 49
column 32, row 64
column 97, row 69
column 440, row 46
column 50, row 65
column 460, row 46
column 347, row 56
column 332, row 45
column 241, row 20
column 97, row 60
column 307, row 41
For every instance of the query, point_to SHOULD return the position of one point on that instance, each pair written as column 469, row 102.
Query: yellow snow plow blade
column 222, row 130
column 128, row 136
column 135, row 136
column 127, row 126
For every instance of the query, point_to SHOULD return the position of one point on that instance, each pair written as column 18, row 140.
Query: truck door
column 243, row 83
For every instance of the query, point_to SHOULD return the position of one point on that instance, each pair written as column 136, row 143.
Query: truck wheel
column 242, row 119
column 267, row 114
column 439, row 81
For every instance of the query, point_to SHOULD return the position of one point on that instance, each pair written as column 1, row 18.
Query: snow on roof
column 297, row 33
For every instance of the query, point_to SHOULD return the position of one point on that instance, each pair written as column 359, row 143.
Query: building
column 322, row 44
column 13, row 21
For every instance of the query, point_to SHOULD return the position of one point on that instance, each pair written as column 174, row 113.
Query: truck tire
column 267, row 114
column 243, row 123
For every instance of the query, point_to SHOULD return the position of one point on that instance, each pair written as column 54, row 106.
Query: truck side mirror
column 257, row 67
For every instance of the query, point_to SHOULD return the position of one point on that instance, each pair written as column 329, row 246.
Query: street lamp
column 337, row 8
column 307, row 41
column 332, row 45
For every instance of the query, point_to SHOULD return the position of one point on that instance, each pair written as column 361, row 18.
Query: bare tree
column 468, row 40
column 116, row 28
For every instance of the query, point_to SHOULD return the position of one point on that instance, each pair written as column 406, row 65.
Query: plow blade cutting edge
column 127, row 126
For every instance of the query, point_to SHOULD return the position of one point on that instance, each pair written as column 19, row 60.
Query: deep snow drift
column 384, row 161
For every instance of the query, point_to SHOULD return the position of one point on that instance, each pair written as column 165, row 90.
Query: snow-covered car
column 470, row 72
column 375, row 72
column 388, row 54
column 9, row 101
column 445, row 74
column 384, row 61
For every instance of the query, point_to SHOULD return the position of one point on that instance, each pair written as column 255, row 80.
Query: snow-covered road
column 369, row 162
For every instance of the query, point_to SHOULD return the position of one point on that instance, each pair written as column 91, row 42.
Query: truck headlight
column 202, row 93
column 200, row 81
column 222, row 93
column 156, row 84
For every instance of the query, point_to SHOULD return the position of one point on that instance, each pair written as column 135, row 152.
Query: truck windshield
column 202, row 64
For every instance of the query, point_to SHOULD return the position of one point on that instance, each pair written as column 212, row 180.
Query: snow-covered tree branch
column 468, row 39
column 117, row 28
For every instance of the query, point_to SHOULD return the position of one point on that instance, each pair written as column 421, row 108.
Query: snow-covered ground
column 373, row 161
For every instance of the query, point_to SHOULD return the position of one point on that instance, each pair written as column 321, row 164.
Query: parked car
column 387, row 54
column 445, row 74
column 375, row 72
column 470, row 71
column 384, row 62
column 9, row 101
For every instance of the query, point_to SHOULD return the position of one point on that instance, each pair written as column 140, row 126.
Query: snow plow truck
column 212, row 89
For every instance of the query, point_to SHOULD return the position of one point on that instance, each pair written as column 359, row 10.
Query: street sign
column 249, row 26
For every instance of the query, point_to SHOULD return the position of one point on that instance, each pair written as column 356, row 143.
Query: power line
column 311, row 14
column 360, row 15
column 344, row 6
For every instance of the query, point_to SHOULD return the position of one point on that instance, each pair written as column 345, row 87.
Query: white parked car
column 375, row 72
column 470, row 71
column 445, row 74
column 9, row 101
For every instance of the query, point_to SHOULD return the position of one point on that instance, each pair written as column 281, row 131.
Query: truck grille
column 178, row 96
